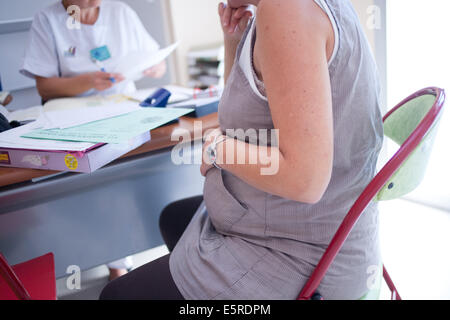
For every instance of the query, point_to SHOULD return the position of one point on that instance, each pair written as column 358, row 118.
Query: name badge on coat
column 100, row 54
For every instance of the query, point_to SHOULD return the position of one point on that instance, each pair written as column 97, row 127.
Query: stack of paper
column 22, row 115
column 114, row 130
column 14, row 139
column 82, row 134
column 62, row 118
column 84, row 102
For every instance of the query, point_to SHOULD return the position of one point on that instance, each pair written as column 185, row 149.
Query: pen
column 111, row 79
column 102, row 69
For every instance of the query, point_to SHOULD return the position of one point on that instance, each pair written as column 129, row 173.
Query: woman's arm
column 291, row 50
column 51, row 88
column 230, row 54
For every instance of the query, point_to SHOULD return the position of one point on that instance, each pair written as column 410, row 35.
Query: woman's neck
column 86, row 15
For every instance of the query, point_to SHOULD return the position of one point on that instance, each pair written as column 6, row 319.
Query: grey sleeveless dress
column 244, row 243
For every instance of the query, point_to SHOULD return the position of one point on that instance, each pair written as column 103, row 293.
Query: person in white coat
column 73, row 46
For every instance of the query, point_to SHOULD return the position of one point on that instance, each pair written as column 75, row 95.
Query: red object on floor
column 30, row 280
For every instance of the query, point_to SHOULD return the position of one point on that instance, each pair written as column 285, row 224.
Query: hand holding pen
column 101, row 80
column 112, row 78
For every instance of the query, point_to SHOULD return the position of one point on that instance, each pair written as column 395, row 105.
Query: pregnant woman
column 300, row 71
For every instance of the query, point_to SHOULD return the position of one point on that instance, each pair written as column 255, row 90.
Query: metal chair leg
column 390, row 283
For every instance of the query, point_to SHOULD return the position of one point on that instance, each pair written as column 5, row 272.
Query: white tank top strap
column 246, row 62
column 323, row 4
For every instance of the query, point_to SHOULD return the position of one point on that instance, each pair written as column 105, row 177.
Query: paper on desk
column 178, row 93
column 13, row 139
column 4, row 112
column 204, row 99
column 194, row 103
column 119, row 129
column 62, row 119
column 84, row 102
column 135, row 63
column 27, row 114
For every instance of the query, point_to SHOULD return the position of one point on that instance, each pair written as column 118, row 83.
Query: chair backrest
column 415, row 118
column 412, row 124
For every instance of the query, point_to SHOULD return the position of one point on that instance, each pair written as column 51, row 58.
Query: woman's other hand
column 234, row 21
column 156, row 72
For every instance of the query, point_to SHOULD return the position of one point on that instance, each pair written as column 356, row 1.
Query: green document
column 120, row 129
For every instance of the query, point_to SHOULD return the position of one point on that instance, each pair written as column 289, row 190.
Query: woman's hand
column 206, row 162
column 157, row 71
column 234, row 21
column 101, row 81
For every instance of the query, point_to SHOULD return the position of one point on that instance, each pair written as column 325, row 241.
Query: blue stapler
column 159, row 99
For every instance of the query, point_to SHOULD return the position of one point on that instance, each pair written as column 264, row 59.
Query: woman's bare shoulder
column 298, row 13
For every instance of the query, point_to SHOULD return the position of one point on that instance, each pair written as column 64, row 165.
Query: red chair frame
column 371, row 191
column 30, row 280
column 8, row 274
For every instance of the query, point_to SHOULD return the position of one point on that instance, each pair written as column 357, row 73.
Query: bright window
column 418, row 57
